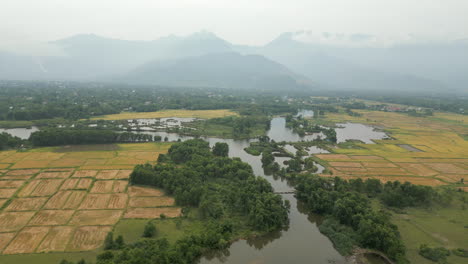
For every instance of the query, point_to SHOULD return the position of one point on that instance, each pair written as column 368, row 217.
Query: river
column 301, row 242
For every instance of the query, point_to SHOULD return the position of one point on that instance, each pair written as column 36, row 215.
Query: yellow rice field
column 68, row 200
column 204, row 114
column 442, row 159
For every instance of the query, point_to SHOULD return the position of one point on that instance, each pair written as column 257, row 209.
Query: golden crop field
column 68, row 201
column 424, row 150
column 204, row 114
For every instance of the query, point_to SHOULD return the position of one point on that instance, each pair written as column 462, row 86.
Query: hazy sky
column 238, row 21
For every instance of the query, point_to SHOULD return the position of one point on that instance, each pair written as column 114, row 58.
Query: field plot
column 118, row 201
column 151, row 201
column 52, row 217
column 95, row 201
column 96, row 217
column 13, row 221
column 102, row 187
column 56, row 239
column 442, row 156
column 169, row 113
column 140, row 191
column 26, row 204
column 53, row 202
column 150, row 213
column 88, row 237
column 27, row 240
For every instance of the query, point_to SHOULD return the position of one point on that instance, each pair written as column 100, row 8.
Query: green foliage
column 8, row 141
column 267, row 159
column 436, row 254
column 338, row 199
column 461, row 252
column 221, row 187
column 56, row 137
column 109, row 241
column 221, row 149
column 150, row 230
column 403, row 195
column 343, row 237
column 119, row 242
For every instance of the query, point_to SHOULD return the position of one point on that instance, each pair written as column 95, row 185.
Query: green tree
column 221, row 149
column 109, row 241
column 267, row 159
column 119, row 242
column 150, row 230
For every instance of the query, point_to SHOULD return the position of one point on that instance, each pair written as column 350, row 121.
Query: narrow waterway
column 301, row 242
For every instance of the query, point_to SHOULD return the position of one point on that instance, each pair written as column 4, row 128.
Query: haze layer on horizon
column 241, row 22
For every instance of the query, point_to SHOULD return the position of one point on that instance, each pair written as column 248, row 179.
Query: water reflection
column 356, row 131
column 22, row 133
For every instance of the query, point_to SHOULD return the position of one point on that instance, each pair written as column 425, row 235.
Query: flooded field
column 22, row 133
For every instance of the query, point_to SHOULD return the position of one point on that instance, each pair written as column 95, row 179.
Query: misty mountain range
column 203, row 59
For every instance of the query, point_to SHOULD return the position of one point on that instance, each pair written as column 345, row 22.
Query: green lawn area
column 441, row 227
column 49, row 258
column 132, row 229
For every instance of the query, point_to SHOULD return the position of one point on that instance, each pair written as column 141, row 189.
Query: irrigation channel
column 302, row 241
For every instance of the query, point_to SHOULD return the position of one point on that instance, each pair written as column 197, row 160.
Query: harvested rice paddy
column 442, row 159
column 204, row 114
column 69, row 201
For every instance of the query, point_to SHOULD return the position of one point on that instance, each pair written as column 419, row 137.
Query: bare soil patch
column 120, row 186
column 54, row 175
column 85, row 173
column 123, row 174
column 102, row 187
column 26, row 204
column 11, row 184
column 27, row 240
column 46, row 187
column 52, row 217
column 140, row 191
column 84, row 183
column 118, row 201
column 56, row 240
column 22, row 172
column 5, row 238
column 58, row 200
column 88, row 237
column 95, row 201
column 107, row 174
column 151, row 201
column 7, row 193
column 69, row 184
column 12, row 221
column 74, row 200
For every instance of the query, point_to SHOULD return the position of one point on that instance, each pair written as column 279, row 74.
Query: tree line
column 57, row 137
column 350, row 219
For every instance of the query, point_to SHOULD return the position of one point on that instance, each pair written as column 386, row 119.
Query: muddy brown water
column 301, row 242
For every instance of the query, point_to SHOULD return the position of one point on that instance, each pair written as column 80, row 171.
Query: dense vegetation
column 8, row 141
column 57, row 137
column 350, row 219
column 223, row 190
column 304, row 126
column 218, row 185
column 74, row 100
